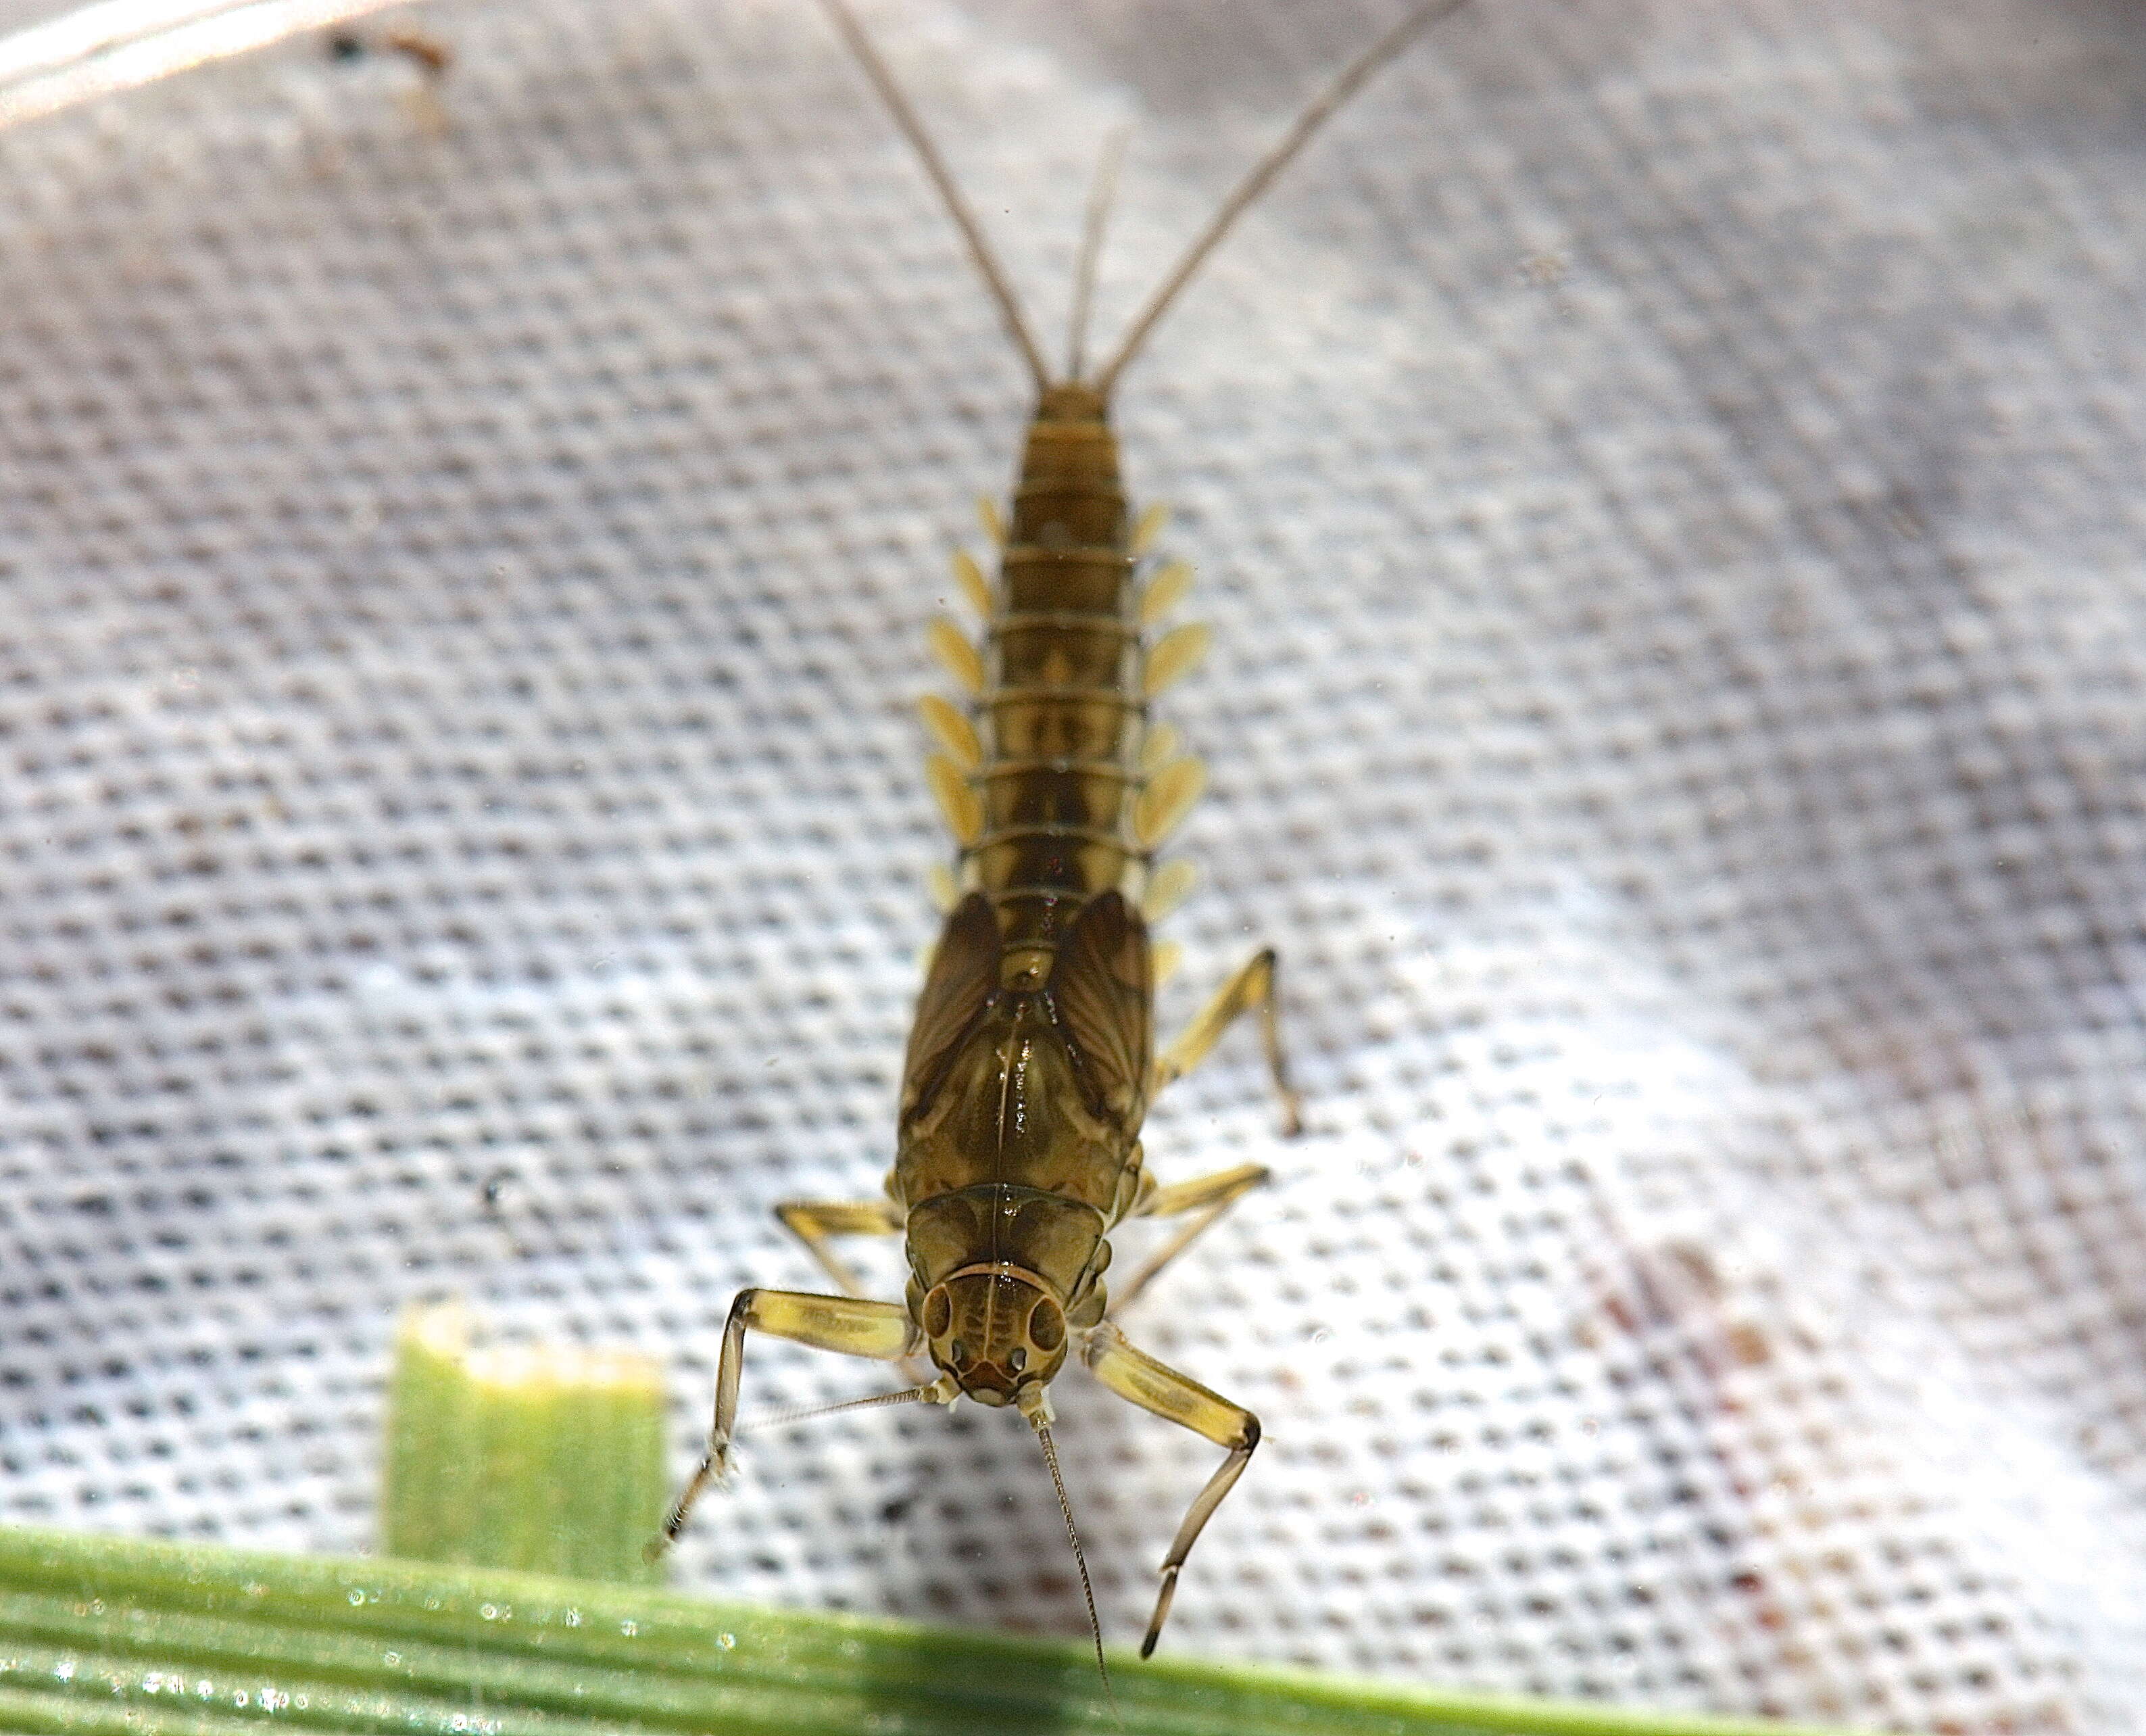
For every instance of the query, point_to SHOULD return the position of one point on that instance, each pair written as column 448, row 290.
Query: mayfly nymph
column 1032, row 1061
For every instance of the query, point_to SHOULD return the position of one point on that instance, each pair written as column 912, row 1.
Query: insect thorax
column 1012, row 1109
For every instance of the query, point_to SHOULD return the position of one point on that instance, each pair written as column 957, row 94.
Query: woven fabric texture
column 1664, row 481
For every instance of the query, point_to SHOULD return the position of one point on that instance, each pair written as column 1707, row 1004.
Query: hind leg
column 1251, row 989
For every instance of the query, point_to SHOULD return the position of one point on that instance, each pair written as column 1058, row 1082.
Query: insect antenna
column 980, row 250
column 1321, row 108
column 1080, row 1559
column 1100, row 196
column 875, row 1401
column 654, row 1549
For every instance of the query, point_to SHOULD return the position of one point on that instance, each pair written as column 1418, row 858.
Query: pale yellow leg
column 1207, row 1198
column 1156, row 1387
column 1252, row 989
column 816, row 1222
column 854, row 1325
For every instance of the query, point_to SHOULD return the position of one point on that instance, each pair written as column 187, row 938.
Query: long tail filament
column 935, row 165
column 1321, row 108
column 1345, row 85
column 1100, row 196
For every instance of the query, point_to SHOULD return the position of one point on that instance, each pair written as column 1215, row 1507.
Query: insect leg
column 854, row 1325
column 1208, row 1197
column 1158, row 1388
column 816, row 1222
column 1251, row 988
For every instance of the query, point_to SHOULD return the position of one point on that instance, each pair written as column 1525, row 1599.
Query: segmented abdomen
column 1043, row 784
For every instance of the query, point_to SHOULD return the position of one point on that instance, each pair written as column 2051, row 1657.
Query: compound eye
column 938, row 1314
column 1046, row 1326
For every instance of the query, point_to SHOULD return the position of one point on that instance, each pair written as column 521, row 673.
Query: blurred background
column 1664, row 481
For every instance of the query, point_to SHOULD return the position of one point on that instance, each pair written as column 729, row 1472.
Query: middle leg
column 816, row 1222
column 1203, row 1200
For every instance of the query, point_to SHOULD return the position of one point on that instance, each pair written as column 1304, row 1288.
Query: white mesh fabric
column 1664, row 482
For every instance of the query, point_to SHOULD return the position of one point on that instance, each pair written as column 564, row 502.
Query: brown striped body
column 1061, row 715
column 1031, row 1058
column 1027, row 1075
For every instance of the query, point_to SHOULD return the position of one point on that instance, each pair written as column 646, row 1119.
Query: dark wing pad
column 963, row 972
column 1102, row 993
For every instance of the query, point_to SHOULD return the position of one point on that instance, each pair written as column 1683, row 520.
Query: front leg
column 1158, row 1388
column 853, row 1325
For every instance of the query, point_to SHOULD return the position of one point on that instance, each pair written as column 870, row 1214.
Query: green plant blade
column 102, row 1634
column 548, row 1458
